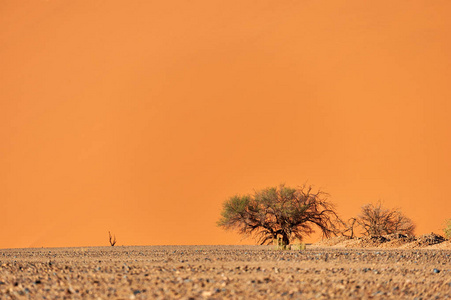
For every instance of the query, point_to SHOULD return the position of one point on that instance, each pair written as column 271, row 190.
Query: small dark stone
column 136, row 292
column 436, row 271
column 377, row 293
column 38, row 281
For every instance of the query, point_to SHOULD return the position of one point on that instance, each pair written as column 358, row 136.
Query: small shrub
column 378, row 221
column 280, row 245
column 447, row 229
column 298, row 247
column 112, row 239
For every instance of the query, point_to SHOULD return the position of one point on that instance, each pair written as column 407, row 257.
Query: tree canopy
column 289, row 213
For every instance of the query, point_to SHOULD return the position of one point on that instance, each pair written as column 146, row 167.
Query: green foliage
column 233, row 209
column 447, row 229
column 280, row 213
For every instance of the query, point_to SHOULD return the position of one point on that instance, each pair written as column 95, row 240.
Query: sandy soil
column 391, row 241
column 216, row 272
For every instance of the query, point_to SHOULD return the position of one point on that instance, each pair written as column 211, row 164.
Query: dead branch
column 112, row 240
column 349, row 226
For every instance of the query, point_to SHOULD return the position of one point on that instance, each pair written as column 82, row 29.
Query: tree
column 377, row 221
column 283, row 212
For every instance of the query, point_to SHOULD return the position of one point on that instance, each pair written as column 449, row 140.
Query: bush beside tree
column 376, row 220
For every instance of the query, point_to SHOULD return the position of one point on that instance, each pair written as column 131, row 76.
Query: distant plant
column 298, row 246
column 447, row 229
column 279, row 244
column 112, row 240
column 280, row 213
column 295, row 245
column 377, row 221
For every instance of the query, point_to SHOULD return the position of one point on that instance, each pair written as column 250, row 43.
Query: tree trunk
column 285, row 239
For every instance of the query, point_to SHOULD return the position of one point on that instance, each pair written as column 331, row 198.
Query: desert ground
column 230, row 272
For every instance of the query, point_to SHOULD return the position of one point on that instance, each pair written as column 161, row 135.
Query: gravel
column 217, row 272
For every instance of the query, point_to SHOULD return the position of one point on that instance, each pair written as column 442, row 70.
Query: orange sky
column 142, row 117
